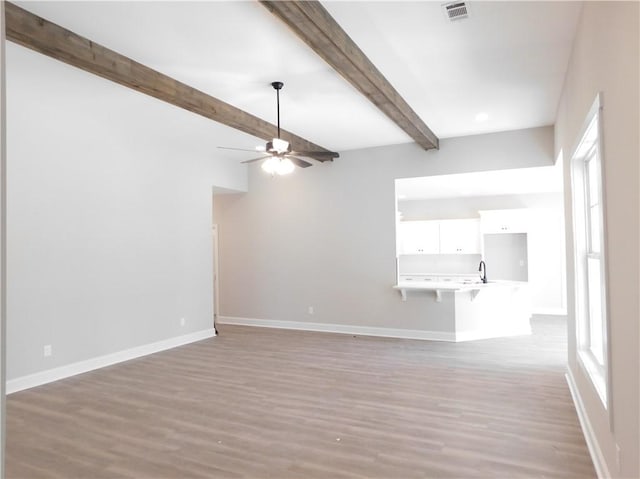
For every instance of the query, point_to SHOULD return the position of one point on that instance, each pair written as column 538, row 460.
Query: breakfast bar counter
column 480, row 310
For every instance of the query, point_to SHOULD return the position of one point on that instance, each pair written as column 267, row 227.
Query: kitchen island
column 480, row 310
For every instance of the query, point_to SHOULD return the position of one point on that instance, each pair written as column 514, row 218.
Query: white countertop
column 455, row 285
column 474, row 286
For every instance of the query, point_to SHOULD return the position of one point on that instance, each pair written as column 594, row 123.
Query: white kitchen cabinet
column 419, row 237
column 460, row 236
column 504, row 221
column 439, row 237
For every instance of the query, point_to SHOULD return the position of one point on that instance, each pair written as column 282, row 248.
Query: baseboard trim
column 339, row 328
column 550, row 311
column 587, row 431
column 62, row 372
column 475, row 335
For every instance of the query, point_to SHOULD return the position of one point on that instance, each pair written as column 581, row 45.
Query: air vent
column 456, row 11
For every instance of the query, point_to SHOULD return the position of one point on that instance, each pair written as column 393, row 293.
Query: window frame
column 590, row 254
column 590, row 148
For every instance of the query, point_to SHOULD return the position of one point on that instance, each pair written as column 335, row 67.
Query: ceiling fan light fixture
column 270, row 165
column 280, row 158
column 285, row 166
column 278, row 166
column 278, row 146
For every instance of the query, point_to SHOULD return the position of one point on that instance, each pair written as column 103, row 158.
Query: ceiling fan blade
column 328, row 154
column 236, row 149
column 298, row 162
column 256, row 159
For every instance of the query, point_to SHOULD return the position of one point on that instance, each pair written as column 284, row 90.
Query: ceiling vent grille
column 456, row 11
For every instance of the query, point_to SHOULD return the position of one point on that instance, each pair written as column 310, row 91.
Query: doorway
column 507, row 254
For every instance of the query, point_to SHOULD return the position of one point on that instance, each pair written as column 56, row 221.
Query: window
column 591, row 310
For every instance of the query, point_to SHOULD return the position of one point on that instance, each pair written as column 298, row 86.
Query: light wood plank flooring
column 261, row 403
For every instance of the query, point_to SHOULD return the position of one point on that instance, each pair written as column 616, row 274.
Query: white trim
column 594, row 371
column 373, row 331
column 50, row 375
column 550, row 311
column 594, row 109
column 581, row 249
column 488, row 334
column 589, row 436
column 340, row 328
column 216, row 273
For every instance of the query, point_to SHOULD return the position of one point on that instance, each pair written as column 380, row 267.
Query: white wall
column 468, row 207
column 547, row 265
column 325, row 236
column 109, row 215
column 605, row 59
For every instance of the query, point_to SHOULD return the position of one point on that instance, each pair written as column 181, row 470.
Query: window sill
column 594, row 371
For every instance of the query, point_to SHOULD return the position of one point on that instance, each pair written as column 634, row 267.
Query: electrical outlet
column 182, row 321
column 310, row 309
column 521, row 262
column 48, row 351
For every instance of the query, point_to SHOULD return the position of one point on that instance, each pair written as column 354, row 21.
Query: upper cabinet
column 439, row 237
column 419, row 237
column 460, row 236
column 504, row 221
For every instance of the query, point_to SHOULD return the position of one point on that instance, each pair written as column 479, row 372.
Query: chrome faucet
column 483, row 271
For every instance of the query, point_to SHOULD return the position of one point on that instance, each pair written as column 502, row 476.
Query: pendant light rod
column 278, row 86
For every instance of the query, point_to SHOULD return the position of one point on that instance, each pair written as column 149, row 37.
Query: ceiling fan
column 280, row 158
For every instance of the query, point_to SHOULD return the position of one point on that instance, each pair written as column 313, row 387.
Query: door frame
column 216, row 275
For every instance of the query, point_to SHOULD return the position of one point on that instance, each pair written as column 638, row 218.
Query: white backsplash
column 439, row 263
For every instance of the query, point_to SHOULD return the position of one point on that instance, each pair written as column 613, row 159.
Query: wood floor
column 260, row 403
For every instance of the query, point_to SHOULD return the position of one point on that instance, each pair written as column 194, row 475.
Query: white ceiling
column 544, row 179
column 507, row 60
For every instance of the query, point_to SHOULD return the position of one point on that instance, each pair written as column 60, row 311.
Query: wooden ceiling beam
column 36, row 33
column 317, row 28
